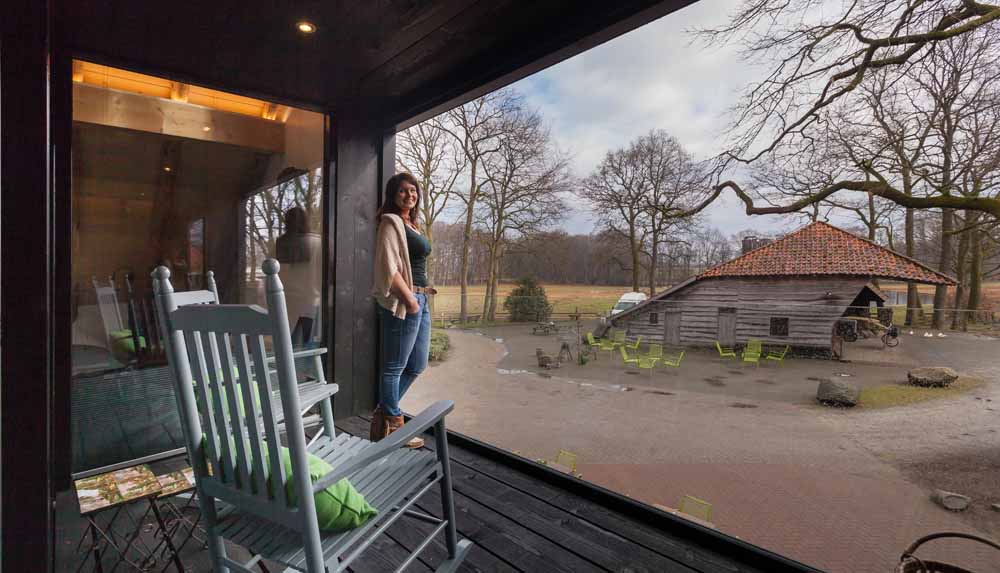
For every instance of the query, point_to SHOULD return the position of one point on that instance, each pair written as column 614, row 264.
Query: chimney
column 750, row 243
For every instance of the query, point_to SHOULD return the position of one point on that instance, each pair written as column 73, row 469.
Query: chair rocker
column 237, row 457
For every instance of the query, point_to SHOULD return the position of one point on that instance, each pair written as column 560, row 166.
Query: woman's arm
column 404, row 294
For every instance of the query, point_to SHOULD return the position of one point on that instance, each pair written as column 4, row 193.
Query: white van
column 627, row 301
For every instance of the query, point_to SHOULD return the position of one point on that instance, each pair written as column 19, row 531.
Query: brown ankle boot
column 379, row 427
column 394, row 423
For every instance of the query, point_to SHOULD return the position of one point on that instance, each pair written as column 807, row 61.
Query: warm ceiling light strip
column 132, row 82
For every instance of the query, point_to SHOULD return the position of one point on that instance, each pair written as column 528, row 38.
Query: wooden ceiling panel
column 404, row 57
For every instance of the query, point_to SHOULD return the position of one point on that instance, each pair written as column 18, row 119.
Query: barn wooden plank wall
column 811, row 312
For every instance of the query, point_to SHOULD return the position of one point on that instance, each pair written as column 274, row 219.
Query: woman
column 401, row 290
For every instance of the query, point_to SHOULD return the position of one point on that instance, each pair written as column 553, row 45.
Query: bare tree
column 823, row 57
column 521, row 191
column 475, row 127
column 617, row 193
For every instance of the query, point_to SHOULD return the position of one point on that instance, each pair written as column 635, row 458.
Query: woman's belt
column 425, row 290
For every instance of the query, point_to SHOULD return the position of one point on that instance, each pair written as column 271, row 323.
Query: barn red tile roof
column 822, row 249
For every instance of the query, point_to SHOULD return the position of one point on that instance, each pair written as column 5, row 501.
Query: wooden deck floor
column 532, row 521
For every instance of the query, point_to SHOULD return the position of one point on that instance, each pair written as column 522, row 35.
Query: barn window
column 779, row 326
column 654, row 318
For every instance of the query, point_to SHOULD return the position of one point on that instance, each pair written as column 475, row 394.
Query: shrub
column 528, row 302
column 440, row 343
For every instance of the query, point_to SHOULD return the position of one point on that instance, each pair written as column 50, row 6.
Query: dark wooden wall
column 811, row 312
column 33, row 266
column 363, row 157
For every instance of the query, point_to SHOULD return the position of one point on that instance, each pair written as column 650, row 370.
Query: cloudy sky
column 655, row 77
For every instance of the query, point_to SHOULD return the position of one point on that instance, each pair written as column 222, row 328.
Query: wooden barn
column 792, row 291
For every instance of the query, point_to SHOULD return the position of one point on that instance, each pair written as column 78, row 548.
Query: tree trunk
column 945, row 261
column 652, row 269
column 635, row 259
column 960, row 290
column 467, row 246
column 976, row 274
column 914, row 309
column 872, row 223
column 487, row 296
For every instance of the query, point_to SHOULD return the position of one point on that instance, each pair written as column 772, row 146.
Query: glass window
column 196, row 180
column 779, row 326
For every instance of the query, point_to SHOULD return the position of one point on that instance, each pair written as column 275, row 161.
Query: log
column 950, row 500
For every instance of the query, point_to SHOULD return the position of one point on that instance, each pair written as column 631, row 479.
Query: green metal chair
column 752, row 351
column 654, row 351
column 778, row 355
column 634, row 346
column 618, row 338
column 725, row 351
column 626, row 359
column 593, row 344
column 609, row 345
column 674, row 361
column 647, row 363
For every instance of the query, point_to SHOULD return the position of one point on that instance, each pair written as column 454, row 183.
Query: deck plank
column 601, row 548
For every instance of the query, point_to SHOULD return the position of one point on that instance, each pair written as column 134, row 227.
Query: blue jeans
column 405, row 346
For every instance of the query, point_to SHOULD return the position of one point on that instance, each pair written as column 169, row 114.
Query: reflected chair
column 268, row 490
column 752, row 352
column 725, row 351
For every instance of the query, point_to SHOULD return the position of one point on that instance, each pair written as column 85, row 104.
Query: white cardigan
column 391, row 256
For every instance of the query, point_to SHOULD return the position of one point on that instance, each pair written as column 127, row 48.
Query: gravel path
column 817, row 485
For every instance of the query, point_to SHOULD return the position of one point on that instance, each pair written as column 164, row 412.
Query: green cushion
column 225, row 396
column 123, row 343
column 338, row 508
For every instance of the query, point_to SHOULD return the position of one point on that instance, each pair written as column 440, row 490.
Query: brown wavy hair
column 389, row 199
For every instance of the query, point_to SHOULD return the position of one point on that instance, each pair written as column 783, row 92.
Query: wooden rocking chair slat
column 240, row 403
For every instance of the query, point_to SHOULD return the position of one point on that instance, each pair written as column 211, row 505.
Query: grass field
column 590, row 300
column 598, row 300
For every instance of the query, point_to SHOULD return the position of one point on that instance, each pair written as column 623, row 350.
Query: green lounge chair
column 777, row 355
column 609, row 345
column 618, row 338
column 752, row 352
column 626, row 359
column 725, row 351
column 654, row 351
column 674, row 361
column 647, row 363
column 593, row 344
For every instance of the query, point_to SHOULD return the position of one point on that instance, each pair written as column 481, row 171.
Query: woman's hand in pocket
column 412, row 304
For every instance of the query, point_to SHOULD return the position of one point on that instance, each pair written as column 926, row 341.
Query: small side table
column 173, row 484
column 116, row 491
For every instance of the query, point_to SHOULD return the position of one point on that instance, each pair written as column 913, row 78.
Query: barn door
column 672, row 327
column 727, row 326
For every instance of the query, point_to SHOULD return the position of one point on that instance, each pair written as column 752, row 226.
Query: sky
column 655, row 77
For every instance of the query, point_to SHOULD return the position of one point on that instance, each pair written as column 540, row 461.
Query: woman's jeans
column 405, row 346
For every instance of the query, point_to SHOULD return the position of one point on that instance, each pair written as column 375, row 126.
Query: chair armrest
column 416, row 426
column 302, row 353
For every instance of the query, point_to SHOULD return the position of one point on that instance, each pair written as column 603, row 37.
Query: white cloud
column 654, row 77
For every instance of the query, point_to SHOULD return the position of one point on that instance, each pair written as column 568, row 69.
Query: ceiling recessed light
column 167, row 169
column 207, row 128
column 306, row 27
